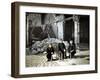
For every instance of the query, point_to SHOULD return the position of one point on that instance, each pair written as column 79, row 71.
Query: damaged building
column 41, row 26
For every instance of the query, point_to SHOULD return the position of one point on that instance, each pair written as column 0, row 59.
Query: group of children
column 62, row 50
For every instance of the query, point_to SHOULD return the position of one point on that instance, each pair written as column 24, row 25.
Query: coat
column 61, row 46
column 72, row 48
column 49, row 52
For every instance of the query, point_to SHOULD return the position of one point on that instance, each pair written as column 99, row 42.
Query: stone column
column 60, row 26
column 76, row 30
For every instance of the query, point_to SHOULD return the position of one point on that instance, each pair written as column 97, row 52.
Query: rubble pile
column 41, row 46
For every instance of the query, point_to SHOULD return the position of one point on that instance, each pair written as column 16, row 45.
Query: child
column 72, row 49
column 50, row 51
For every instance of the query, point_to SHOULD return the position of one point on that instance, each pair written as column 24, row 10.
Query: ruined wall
column 36, row 19
column 41, row 20
column 36, row 22
column 50, row 18
column 57, row 27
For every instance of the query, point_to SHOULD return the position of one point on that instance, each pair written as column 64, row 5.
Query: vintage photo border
column 15, row 32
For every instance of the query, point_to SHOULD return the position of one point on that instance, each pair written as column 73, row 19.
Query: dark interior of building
column 83, row 29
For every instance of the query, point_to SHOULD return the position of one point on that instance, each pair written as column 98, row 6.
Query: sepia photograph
column 57, row 39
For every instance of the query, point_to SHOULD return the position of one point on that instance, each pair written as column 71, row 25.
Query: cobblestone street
column 40, row 60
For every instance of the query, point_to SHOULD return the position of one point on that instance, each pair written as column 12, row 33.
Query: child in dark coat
column 50, row 51
column 62, row 49
column 72, row 49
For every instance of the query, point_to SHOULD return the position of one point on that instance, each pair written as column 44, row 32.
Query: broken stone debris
column 41, row 46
